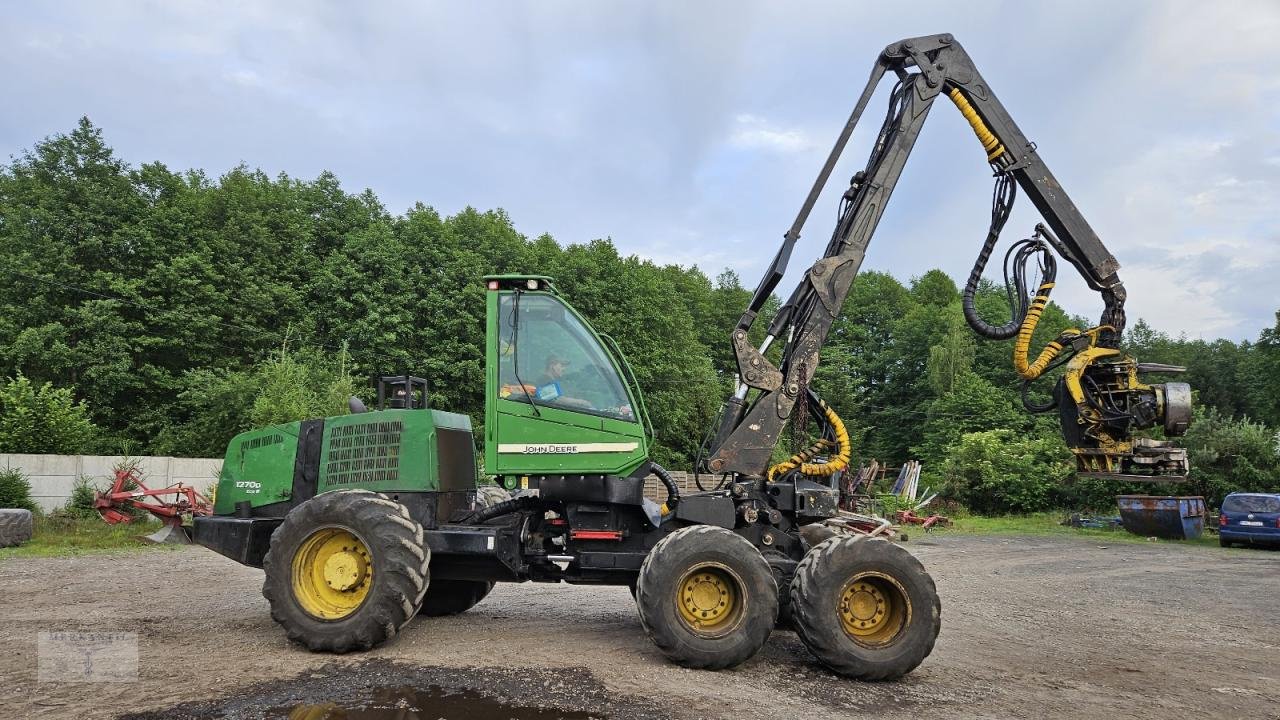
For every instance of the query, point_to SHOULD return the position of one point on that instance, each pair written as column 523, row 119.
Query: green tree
column 950, row 359
column 971, row 405
column 43, row 419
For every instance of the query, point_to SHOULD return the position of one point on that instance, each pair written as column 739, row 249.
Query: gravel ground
column 1031, row 627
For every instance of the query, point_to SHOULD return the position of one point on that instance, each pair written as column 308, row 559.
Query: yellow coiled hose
column 801, row 459
column 1022, row 347
column 989, row 141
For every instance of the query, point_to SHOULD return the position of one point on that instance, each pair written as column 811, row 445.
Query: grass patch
column 57, row 536
column 1042, row 524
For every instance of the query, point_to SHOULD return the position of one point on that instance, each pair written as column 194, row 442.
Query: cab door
column 557, row 403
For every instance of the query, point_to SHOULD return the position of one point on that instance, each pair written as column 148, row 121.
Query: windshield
column 1251, row 503
column 560, row 363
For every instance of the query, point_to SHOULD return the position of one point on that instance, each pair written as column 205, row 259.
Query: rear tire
column 450, row 597
column 346, row 571
column 16, row 526
column 706, row 597
column 1224, row 542
column 810, row 536
column 865, row 607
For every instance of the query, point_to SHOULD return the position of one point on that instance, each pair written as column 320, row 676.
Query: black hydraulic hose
column 673, row 492
column 1034, row 407
column 1001, row 205
column 506, row 507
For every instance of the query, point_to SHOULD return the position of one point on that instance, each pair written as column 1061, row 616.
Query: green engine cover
column 258, row 468
column 384, row 451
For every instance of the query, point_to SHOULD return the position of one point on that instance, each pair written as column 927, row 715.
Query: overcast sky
column 690, row 132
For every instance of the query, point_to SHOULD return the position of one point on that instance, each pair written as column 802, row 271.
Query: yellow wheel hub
column 709, row 599
column 332, row 573
column 874, row 609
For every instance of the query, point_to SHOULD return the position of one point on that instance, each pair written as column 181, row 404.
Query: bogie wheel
column 346, row 570
column 706, row 597
column 810, row 536
column 865, row 607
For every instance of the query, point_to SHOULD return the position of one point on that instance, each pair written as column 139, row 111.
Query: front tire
column 706, row 597
column 346, row 571
column 865, row 607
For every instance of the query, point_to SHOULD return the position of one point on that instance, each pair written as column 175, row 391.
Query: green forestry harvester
column 363, row 521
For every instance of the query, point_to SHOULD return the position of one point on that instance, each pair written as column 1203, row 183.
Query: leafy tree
column 971, row 405
column 950, row 359
column 293, row 387
column 43, row 419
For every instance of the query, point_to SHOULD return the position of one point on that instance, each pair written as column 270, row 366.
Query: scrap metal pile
column 865, row 513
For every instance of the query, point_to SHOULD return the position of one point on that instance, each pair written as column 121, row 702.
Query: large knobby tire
column 810, row 536
column 346, row 571
column 16, row 526
column 865, row 607
column 487, row 495
column 706, row 597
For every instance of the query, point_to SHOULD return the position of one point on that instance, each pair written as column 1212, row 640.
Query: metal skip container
column 1172, row 518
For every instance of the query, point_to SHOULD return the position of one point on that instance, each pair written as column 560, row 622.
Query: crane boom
column 1100, row 399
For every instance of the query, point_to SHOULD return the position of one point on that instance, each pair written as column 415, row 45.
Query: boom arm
column 927, row 67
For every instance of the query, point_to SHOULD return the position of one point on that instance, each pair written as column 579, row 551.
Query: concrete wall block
column 202, row 470
column 54, row 476
column 41, row 464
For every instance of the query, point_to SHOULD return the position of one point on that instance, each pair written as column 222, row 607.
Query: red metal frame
column 112, row 505
column 909, row 516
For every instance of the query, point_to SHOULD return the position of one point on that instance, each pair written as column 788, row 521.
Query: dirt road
column 1031, row 627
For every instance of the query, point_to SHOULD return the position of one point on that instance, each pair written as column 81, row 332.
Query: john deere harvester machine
column 363, row 521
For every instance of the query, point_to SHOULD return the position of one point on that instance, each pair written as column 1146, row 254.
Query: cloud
column 755, row 133
column 691, row 132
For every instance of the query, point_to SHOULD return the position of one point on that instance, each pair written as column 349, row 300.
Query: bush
column 996, row 472
column 1229, row 455
column 80, row 504
column 43, row 419
column 15, row 490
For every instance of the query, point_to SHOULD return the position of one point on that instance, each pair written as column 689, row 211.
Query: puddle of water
column 433, row 703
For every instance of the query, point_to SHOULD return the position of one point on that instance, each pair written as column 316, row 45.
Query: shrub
column 80, row 504
column 1229, row 454
column 997, row 472
column 15, row 490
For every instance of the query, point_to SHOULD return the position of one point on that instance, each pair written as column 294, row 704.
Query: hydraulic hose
column 1022, row 346
column 990, row 143
column 506, row 507
column 1001, row 205
column 801, row 459
column 673, row 491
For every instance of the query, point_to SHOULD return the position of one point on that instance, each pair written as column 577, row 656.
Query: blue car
column 1250, row 519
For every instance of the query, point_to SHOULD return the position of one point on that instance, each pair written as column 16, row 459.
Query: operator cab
column 557, row 396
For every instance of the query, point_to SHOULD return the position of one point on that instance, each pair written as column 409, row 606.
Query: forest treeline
column 161, row 312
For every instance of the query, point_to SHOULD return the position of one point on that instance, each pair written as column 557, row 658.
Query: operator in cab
column 550, row 387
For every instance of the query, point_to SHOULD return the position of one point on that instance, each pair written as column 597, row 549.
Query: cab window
column 547, row 353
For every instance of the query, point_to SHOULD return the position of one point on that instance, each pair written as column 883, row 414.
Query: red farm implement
column 172, row 505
